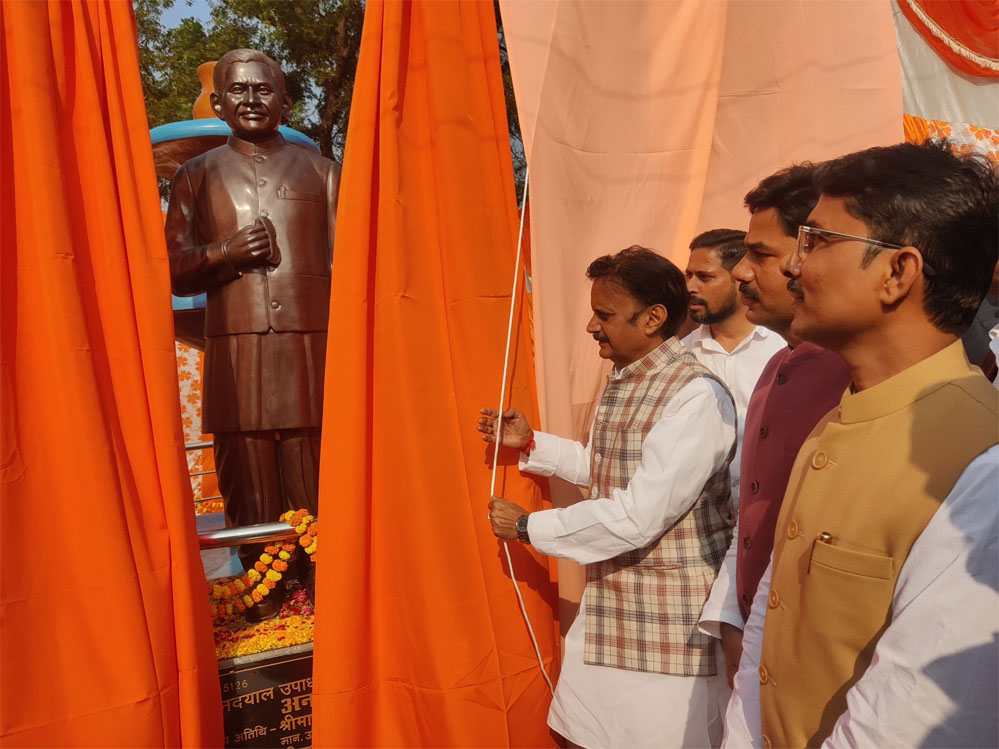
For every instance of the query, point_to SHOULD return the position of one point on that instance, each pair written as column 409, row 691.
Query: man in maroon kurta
column 799, row 385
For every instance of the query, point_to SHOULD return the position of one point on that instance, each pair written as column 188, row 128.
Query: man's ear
column 904, row 270
column 216, row 103
column 286, row 105
column 655, row 316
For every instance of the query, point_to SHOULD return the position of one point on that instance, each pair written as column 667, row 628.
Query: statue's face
column 252, row 103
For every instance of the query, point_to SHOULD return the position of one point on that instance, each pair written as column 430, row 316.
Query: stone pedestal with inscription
column 267, row 698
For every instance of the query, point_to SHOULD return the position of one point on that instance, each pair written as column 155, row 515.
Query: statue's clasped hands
column 252, row 246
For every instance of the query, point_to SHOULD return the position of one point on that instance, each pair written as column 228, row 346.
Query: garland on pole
column 232, row 595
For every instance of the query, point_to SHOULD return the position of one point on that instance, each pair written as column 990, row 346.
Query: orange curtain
column 104, row 629
column 419, row 640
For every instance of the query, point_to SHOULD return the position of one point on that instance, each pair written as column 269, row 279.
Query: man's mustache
column 600, row 338
column 698, row 300
column 794, row 288
column 750, row 292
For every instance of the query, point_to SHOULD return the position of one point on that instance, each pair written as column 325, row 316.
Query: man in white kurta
column 687, row 447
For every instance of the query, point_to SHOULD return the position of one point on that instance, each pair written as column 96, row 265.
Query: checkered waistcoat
column 642, row 607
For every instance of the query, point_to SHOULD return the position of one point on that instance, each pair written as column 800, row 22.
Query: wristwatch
column 522, row 529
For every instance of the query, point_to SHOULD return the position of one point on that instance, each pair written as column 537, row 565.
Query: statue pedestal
column 267, row 698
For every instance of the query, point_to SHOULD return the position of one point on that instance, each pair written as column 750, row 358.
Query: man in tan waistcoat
column 637, row 672
column 876, row 623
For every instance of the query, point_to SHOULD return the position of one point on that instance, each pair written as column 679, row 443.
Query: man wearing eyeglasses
column 875, row 624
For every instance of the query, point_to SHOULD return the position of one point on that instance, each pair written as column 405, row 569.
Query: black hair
column 650, row 279
column 244, row 55
column 728, row 244
column 791, row 192
column 944, row 204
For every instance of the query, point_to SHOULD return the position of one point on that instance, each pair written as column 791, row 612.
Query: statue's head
column 249, row 94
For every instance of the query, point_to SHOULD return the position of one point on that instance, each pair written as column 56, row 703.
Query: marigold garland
column 238, row 593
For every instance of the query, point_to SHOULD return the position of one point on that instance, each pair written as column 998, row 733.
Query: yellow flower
column 311, row 549
column 253, row 575
column 216, row 592
column 273, row 575
column 266, row 558
column 239, row 585
column 226, row 593
column 248, row 601
column 285, row 555
column 262, row 589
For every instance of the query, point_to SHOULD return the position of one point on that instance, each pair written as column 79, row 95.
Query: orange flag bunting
column 419, row 638
column 105, row 637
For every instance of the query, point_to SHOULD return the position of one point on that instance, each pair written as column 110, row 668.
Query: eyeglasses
column 809, row 236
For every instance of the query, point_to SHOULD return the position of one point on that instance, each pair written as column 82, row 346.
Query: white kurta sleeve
column 932, row 680
column 689, row 443
column 557, row 456
column 723, row 603
column 742, row 718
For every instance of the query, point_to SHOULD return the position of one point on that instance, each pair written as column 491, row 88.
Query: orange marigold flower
column 269, row 584
column 260, row 567
column 272, row 549
column 247, row 581
column 240, row 606
column 280, row 565
column 216, row 592
column 257, row 597
column 289, row 547
column 305, row 539
column 226, row 593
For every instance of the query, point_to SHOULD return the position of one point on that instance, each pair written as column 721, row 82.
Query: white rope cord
column 499, row 428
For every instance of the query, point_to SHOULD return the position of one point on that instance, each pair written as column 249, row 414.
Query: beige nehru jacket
column 865, row 484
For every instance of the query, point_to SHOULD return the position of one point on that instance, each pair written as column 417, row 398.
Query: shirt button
column 597, row 458
column 260, row 159
column 271, row 268
column 746, row 599
column 275, row 304
column 764, row 432
column 781, row 379
column 755, row 487
column 767, row 744
column 594, row 493
column 265, row 214
column 747, row 542
column 261, row 182
column 773, row 599
column 763, row 675
column 792, row 529
column 819, row 460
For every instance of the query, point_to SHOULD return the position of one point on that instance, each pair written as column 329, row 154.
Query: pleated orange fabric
column 419, row 639
column 105, row 637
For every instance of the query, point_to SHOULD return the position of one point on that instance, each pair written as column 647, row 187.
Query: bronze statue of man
column 251, row 223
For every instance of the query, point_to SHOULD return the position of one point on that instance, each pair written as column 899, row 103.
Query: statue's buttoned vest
column 294, row 188
column 642, row 607
column 864, row 486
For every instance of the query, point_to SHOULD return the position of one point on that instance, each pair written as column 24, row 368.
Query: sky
column 185, row 9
